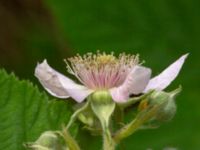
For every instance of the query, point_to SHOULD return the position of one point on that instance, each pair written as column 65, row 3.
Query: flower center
column 106, row 59
column 101, row 70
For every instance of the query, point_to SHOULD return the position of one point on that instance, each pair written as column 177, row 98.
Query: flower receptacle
column 102, row 105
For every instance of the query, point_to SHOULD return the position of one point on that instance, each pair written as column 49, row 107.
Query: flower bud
column 168, row 109
column 49, row 140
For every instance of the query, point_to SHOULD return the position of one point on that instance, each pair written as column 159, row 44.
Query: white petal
column 76, row 91
column 118, row 95
column 51, row 81
column 135, row 83
column 161, row 81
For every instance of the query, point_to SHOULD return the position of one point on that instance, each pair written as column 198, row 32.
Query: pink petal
column 118, row 95
column 51, row 81
column 135, row 83
column 76, row 91
column 161, row 81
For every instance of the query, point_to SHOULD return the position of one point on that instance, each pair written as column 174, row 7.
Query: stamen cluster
column 101, row 70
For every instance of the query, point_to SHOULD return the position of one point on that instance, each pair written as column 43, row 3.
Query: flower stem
column 108, row 143
column 135, row 124
column 76, row 113
column 103, row 107
column 69, row 140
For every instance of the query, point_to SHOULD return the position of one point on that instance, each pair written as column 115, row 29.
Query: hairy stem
column 76, row 113
column 108, row 143
column 135, row 124
column 70, row 141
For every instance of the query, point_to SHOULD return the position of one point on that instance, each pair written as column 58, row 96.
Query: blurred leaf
column 26, row 113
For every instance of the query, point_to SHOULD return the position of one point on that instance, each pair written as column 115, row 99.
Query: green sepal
column 76, row 114
column 133, row 100
column 87, row 119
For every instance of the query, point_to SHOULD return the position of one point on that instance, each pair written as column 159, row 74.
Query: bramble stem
column 135, row 124
column 70, row 141
column 108, row 143
column 76, row 113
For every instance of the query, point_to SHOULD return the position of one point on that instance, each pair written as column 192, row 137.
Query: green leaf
column 26, row 113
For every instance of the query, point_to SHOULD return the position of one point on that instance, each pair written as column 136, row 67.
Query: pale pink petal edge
column 76, row 91
column 59, row 85
column 164, row 79
column 135, row 83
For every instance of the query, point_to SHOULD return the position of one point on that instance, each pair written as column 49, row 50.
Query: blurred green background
column 159, row 30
